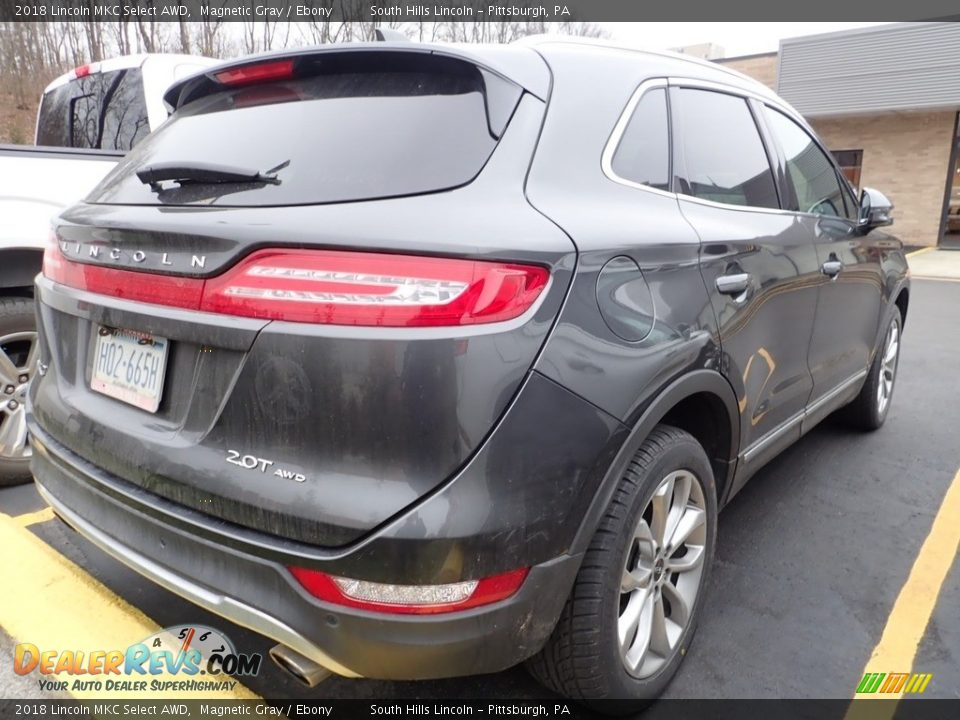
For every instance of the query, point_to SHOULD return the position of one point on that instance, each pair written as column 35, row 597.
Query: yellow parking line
column 921, row 251
column 50, row 602
column 911, row 612
column 35, row 517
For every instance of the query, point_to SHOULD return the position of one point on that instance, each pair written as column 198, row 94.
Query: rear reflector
column 409, row 599
column 329, row 287
column 259, row 72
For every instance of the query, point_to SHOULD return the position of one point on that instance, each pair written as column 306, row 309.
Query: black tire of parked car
column 16, row 316
column 582, row 658
column 865, row 412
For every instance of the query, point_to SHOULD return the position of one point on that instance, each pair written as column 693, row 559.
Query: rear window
column 102, row 111
column 352, row 130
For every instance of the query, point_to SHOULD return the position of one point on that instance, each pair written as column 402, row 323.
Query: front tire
column 869, row 410
column 635, row 603
column 18, row 362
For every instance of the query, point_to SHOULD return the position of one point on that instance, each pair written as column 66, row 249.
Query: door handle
column 832, row 268
column 733, row 284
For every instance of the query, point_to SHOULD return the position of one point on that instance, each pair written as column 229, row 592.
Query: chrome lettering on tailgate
column 252, row 462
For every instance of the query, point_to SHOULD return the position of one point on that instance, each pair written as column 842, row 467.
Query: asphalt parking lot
column 812, row 557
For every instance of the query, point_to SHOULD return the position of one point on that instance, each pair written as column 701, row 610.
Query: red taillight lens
column 82, row 71
column 259, row 72
column 329, row 287
column 351, row 288
column 409, row 599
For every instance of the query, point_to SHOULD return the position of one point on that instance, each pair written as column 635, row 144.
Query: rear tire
column 18, row 339
column 668, row 491
column 869, row 410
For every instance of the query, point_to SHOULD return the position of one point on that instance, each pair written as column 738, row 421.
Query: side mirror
column 875, row 210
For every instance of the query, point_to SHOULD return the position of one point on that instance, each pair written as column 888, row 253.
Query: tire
column 18, row 333
column 582, row 659
column 869, row 409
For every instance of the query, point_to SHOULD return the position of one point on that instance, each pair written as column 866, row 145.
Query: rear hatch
column 308, row 347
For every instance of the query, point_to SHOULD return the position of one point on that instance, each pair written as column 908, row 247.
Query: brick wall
column 905, row 156
column 760, row 67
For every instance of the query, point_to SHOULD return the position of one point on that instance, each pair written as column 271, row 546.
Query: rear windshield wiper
column 197, row 173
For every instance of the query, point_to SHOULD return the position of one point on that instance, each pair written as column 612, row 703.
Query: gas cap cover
column 624, row 298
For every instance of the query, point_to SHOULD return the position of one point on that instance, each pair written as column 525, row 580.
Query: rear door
column 759, row 264
column 850, row 280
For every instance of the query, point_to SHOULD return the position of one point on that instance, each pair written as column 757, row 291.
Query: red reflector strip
column 260, row 72
column 329, row 287
column 330, row 588
column 127, row 284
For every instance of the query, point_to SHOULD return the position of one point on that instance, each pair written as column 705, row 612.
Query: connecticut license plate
column 129, row 366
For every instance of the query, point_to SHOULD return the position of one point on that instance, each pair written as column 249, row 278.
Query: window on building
column 813, row 176
column 643, row 154
column 850, row 162
column 721, row 157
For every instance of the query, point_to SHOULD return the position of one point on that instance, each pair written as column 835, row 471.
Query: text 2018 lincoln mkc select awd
column 429, row 360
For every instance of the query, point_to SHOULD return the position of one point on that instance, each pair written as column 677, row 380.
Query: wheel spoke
column 13, row 434
column 629, row 619
column 690, row 561
column 659, row 640
column 678, row 504
column 679, row 607
column 692, row 519
column 32, row 355
column 635, row 579
column 635, row 650
column 661, row 503
column 9, row 375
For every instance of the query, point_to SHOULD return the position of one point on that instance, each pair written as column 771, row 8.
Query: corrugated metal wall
column 900, row 67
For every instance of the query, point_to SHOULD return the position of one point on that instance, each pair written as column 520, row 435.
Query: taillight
column 82, row 71
column 255, row 73
column 329, row 287
column 409, row 599
column 352, row 288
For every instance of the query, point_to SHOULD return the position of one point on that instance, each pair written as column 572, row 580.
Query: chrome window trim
column 616, row 135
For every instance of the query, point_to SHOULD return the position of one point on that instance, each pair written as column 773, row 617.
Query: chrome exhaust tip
column 302, row 668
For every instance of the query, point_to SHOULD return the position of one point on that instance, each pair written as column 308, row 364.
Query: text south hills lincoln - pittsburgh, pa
column 468, row 11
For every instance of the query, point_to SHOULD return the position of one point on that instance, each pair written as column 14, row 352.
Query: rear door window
column 357, row 130
column 721, row 157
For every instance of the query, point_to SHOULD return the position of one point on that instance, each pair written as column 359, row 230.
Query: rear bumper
column 260, row 594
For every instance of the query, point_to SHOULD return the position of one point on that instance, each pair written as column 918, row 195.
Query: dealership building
column 885, row 100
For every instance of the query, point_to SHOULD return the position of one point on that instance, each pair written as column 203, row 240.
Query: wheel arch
column 902, row 301
column 702, row 403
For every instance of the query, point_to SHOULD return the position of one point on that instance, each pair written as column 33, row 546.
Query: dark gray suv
column 428, row 360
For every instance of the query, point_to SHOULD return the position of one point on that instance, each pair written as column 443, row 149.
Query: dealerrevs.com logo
column 179, row 658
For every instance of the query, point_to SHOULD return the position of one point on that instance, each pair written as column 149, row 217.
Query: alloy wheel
column 18, row 363
column 662, row 574
column 888, row 367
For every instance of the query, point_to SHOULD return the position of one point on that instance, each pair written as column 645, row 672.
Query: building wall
column 905, row 156
column 762, row 68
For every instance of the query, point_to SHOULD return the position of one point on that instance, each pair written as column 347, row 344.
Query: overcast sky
column 734, row 38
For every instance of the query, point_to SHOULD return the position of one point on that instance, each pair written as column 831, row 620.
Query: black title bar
column 387, row 11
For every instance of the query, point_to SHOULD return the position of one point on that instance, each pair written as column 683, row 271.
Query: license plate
column 129, row 366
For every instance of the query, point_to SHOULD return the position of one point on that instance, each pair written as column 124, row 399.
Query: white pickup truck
column 88, row 118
